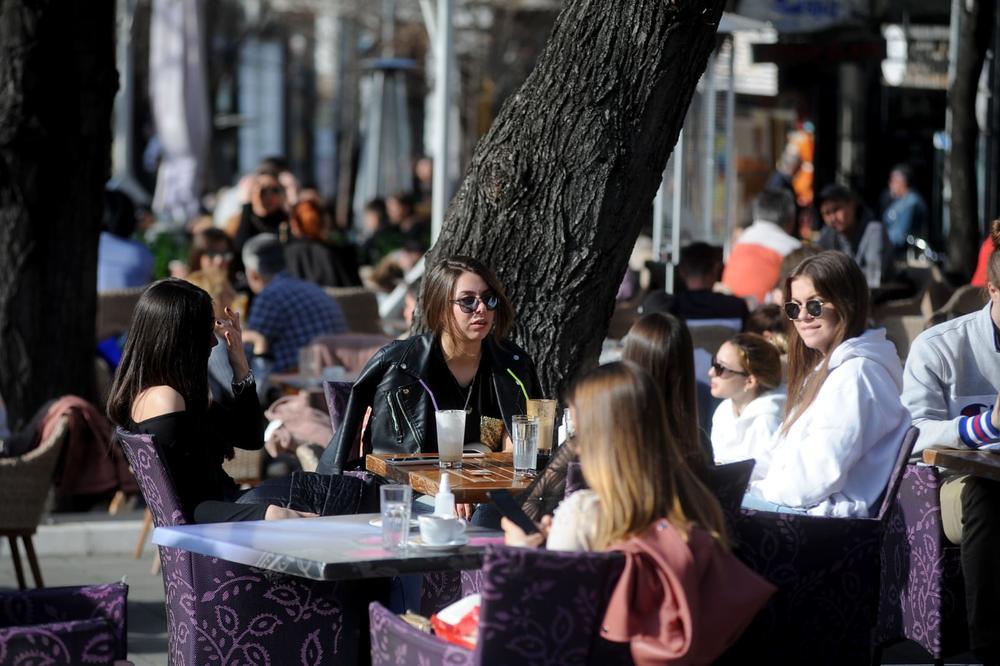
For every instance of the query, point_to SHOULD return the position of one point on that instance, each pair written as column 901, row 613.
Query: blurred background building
column 833, row 90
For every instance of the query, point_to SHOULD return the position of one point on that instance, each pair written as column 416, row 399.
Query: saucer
column 377, row 522
column 448, row 545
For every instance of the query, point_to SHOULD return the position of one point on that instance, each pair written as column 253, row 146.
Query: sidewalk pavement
column 79, row 549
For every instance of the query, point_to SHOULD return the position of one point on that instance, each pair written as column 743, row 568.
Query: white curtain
column 178, row 90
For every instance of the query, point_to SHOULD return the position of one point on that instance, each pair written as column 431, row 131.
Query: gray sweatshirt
column 951, row 378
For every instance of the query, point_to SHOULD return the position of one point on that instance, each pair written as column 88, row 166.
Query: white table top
column 331, row 548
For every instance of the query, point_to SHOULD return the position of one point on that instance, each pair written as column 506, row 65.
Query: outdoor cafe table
column 479, row 474
column 978, row 463
column 329, row 548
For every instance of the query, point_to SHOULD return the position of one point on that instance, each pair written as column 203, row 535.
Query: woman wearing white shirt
column 746, row 375
column 844, row 420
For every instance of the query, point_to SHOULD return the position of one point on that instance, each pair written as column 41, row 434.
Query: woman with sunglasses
column 844, row 422
column 464, row 359
column 746, row 375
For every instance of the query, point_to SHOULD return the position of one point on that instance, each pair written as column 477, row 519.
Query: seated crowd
column 803, row 385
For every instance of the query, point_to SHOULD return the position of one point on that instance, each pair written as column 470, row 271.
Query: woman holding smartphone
column 682, row 593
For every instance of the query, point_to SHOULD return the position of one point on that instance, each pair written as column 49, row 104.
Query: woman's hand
column 515, row 536
column 228, row 328
column 275, row 512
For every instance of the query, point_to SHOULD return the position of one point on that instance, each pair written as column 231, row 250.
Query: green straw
column 519, row 383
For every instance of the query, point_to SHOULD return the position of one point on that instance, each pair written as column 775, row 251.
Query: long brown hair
column 839, row 281
column 660, row 343
column 439, row 289
column 632, row 460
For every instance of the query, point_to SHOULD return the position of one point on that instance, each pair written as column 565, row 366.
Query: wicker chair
column 24, row 486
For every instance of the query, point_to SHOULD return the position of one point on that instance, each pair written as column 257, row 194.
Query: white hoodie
column 751, row 434
column 837, row 457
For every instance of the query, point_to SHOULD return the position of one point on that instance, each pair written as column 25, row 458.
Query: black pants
column 323, row 494
column 980, row 559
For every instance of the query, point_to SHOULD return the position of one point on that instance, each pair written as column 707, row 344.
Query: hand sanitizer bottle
column 444, row 501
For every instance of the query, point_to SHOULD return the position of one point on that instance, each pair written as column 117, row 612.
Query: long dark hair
column 168, row 344
column 660, row 343
column 839, row 281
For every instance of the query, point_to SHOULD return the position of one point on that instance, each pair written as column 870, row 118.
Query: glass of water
column 525, row 438
column 451, row 437
column 395, row 516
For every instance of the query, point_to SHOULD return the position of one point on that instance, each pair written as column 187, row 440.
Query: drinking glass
column 525, row 438
column 395, row 516
column 451, row 437
column 545, row 410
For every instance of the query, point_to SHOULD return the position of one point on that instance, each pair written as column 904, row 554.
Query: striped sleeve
column 975, row 431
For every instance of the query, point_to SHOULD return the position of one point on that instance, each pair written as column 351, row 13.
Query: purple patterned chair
column 222, row 612
column 64, row 625
column 538, row 607
column 337, row 394
column 827, row 574
column 923, row 590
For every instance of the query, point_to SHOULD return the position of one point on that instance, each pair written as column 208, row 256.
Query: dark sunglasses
column 814, row 308
column 720, row 370
column 274, row 189
column 469, row 304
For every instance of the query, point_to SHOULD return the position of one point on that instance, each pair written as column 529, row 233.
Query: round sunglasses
column 469, row 304
column 813, row 307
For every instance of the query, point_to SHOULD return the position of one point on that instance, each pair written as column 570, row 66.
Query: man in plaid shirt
column 286, row 313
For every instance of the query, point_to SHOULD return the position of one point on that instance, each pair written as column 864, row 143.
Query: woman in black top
column 161, row 388
column 464, row 359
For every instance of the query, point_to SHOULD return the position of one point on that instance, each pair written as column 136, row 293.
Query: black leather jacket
column 401, row 408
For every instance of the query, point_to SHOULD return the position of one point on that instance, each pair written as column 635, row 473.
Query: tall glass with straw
column 450, row 424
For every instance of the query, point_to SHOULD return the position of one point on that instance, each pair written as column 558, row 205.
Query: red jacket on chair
column 681, row 601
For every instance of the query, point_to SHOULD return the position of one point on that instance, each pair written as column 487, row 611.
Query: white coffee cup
column 437, row 530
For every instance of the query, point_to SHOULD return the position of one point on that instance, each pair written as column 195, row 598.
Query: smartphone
column 512, row 511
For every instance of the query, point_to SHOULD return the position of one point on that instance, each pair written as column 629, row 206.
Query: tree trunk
column 965, row 233
column 58, row 81
column 561, row 185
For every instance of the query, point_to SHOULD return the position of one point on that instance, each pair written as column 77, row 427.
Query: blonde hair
column 631, row 459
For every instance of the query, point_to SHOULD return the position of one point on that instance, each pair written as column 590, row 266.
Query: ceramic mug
column 438, row 530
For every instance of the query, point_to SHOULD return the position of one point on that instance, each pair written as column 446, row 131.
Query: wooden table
column 479, row 474
column 332, row 548
column 978, row 463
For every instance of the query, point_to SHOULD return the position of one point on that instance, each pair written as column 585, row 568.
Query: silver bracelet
column 241, row 385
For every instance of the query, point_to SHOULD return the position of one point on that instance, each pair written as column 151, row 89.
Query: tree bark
column 58, row 81
column 965, row 233
column 559, row 188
